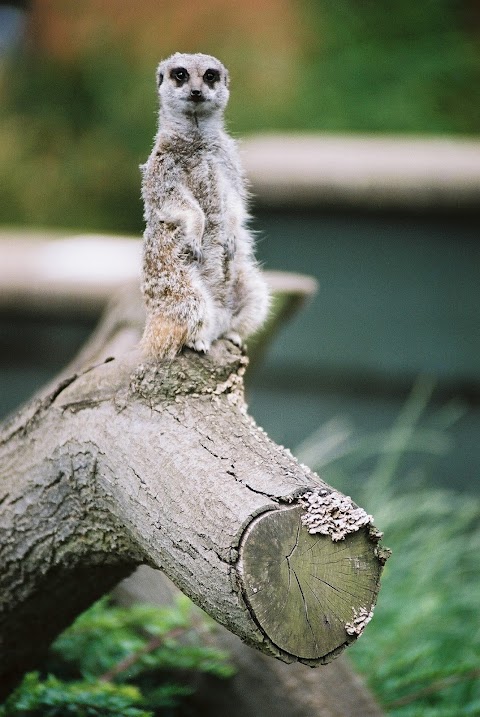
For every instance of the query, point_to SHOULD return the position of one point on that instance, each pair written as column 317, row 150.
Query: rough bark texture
column 122, row 463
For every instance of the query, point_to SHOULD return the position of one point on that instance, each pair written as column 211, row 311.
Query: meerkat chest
column 215, row 187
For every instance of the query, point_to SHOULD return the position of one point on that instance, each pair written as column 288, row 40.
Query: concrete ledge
column 55, row 272
column 369, row 171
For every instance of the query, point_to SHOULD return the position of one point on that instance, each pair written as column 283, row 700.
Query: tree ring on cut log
column 304, row 589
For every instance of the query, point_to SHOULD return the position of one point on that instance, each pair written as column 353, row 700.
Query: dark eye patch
column 211, row 76
column 180, row 75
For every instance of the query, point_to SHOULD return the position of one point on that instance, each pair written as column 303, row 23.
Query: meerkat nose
column 196, row 95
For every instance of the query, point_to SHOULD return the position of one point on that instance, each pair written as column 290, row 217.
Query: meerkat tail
column 162, row 338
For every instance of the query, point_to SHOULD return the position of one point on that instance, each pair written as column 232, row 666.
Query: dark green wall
column 399, row 297
column 399, row 294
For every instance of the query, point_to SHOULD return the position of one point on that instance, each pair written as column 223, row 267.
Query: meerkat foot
column 200, row 345
column 234, row 338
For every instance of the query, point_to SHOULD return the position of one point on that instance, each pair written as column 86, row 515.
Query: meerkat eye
column 179, row 74
column 211, row 76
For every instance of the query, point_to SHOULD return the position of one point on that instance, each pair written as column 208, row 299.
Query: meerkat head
column 192, row 85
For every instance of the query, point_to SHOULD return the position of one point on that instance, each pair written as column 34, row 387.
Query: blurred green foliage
column 121, row 662
column 407, row 67
column 71, row 139
column 421, row 652
column 73, row 132
column 52, row 697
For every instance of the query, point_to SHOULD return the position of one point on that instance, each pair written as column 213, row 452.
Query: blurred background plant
column 78, row 100
column 114, row 661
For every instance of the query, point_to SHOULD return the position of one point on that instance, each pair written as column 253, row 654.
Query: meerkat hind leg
column 254, row 306
column 202, row 333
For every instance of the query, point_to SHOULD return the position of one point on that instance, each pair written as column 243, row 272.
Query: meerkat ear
column 159, row 76
column 227, row 78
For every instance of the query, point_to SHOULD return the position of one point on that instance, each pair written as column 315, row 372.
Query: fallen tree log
column 120, row 463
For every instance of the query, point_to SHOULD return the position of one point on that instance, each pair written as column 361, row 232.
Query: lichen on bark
column 328, row 512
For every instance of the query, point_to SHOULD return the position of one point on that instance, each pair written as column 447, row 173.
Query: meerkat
column 200, row 280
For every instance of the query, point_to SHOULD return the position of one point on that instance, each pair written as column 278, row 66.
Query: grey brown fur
column 200, row 277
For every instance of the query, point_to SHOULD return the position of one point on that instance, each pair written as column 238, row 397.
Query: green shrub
column 405, row 68
column 53, row 698
column 120, row 662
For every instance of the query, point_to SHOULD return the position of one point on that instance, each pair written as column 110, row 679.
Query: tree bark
column 120, row 463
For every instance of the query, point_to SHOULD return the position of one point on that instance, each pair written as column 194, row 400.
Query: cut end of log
column 310, row 595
